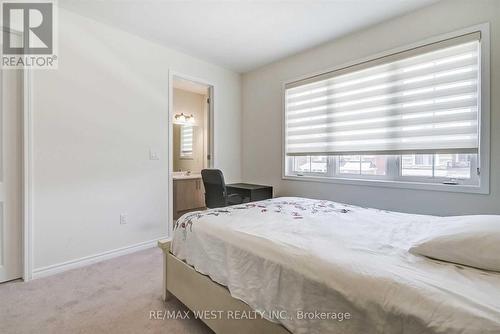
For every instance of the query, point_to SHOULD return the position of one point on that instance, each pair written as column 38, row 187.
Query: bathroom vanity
column 189, row 193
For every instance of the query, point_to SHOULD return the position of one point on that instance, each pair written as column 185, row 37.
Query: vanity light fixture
column 183, row 119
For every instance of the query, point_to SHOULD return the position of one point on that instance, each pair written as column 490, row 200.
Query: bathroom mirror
column 188, row 148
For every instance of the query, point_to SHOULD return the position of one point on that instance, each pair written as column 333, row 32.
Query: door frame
column 27, row 171
column 211, row 95
column 27, row 182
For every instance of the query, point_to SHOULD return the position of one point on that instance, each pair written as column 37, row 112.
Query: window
column 409, row 117
column 449, row 166
column 442, row 168
column 310, row 164
column 186, row 142
column 362, row 164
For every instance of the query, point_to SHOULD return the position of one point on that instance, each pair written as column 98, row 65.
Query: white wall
column 194, row 104
column 95, row 119
column 262, row 94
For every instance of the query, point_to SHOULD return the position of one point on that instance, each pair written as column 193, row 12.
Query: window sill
column 483, row 189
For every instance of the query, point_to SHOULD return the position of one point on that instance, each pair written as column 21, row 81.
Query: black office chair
column 216, row 195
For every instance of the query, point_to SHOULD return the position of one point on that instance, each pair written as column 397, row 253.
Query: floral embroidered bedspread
column 295, row 208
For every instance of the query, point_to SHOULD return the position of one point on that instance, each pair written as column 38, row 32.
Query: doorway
column 11, row 168
column 191, row 143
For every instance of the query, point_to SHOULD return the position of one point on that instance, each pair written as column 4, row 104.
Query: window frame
column 393, row 172
column 411, row 182
column 474, row 179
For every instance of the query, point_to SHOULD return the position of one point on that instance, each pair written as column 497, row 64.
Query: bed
column 316, row 266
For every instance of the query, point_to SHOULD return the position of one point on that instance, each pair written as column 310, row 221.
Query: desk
column 253, row 192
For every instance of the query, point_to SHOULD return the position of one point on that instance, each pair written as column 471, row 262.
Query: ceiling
column 242, row 35
column 190, row 86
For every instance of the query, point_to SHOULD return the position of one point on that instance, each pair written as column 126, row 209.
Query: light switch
column 153, row 155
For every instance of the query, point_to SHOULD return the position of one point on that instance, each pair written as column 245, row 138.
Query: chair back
column 215, row 188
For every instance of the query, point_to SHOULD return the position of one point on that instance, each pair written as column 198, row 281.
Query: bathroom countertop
column 183, row 176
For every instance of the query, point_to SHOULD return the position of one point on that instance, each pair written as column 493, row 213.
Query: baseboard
column 85, row 261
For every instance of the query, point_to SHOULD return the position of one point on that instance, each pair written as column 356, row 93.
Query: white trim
column 484, row 147
column 484, row 131
column 390, row 184
column 211, row 115
column 87, row 260
column 27, row 174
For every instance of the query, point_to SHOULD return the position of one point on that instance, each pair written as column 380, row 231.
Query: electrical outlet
column 123, row 218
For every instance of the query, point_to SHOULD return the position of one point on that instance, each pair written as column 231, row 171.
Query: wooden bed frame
column 199, row 293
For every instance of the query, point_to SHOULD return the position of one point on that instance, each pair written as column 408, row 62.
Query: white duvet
column 287, row 256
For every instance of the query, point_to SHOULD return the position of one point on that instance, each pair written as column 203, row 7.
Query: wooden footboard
column 199, row 293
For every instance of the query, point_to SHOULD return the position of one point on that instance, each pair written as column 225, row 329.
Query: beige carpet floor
column 114, row 296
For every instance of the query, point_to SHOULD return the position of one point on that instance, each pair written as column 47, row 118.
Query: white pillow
column 468, row 240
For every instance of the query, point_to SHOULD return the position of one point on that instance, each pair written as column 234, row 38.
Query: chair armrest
column 234, row 199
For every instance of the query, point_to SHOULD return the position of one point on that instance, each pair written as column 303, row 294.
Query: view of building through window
column 311, row 164
column 438, row 165
column 448, row 166
column 363, row 164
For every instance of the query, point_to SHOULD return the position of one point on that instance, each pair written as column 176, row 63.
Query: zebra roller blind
column 423, row 100
column 186, row 141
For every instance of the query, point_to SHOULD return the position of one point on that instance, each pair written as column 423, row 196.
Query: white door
column 11, row 115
